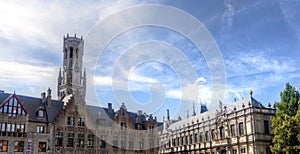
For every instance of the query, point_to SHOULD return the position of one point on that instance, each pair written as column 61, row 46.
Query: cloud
column 228, row 14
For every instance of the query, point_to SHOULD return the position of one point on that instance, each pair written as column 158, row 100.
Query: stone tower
column 72, row 77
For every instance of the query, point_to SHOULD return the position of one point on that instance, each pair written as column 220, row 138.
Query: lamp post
column 48, row 148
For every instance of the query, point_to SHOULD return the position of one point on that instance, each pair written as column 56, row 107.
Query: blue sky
column 258, row 40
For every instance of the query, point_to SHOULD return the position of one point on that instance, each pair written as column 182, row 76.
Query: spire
column 168, row 114
column 194, row 111
column 187, row 114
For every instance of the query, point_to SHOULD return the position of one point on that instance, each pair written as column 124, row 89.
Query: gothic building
column 68, row 125
column 243, row 127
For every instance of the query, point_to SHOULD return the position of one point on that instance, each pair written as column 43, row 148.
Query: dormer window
column 41, row 113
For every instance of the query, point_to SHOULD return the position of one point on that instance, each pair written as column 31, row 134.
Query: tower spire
column 187, row 114
column 194, row 111
column 71, row 79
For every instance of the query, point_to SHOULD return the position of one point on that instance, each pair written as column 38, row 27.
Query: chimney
column 49, row 97
column 43, row 97
column 109, row 106
column 139, row 112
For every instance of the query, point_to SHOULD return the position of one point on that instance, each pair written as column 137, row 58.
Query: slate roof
column 212, row 113
column 32, row 104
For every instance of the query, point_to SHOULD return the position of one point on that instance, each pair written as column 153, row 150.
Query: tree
column 286, row 123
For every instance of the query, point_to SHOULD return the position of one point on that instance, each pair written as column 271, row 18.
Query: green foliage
column 286, row 123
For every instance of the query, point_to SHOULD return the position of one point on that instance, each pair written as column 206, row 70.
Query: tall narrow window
column 59, row 139
column 80, row 140
column 70, row 141
column 206, row 136
column 241, row 128
column 213, row 134
column 222, row 132
column 266, row 126
column 90, row 143
column 71, row 121
column 80, row 121
column 71, row 52
column 232, row 130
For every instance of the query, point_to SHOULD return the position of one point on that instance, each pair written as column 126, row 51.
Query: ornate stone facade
column 243, row 127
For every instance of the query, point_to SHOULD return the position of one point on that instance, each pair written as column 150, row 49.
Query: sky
column 153, row 67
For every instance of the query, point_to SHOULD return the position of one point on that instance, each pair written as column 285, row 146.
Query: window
column 234, row 151
column 3, row 145
column 80, row 121
column 201, row 137
column 12, row 107
column 40, row 129
column 80, row 140
column 19, row 146
column 42, row 146
column 195, row 138
column 3, row 127
column 186, row 140
column 213, row 134
column 266, row 126
column 123, row 144
column 90, row 142
column 222, row 132
column 141, row 144
column 241, row 128
column 71, row 121
column 191, row 139
column 206, row 136
column 102, row 144
column 151, row 144
column 123, row 126
column 59, row 139
column 130, row 144
column 151, row 128
column 41, row 113
column 232, row 130
column 71, row 52
column 139, row 126
column 70, row 141
column 243, row 150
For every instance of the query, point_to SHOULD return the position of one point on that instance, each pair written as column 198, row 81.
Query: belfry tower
column 72, row 78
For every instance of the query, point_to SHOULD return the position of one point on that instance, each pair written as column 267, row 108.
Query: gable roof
column 32, row 104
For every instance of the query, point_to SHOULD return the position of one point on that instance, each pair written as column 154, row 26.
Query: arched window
column 71, row 52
